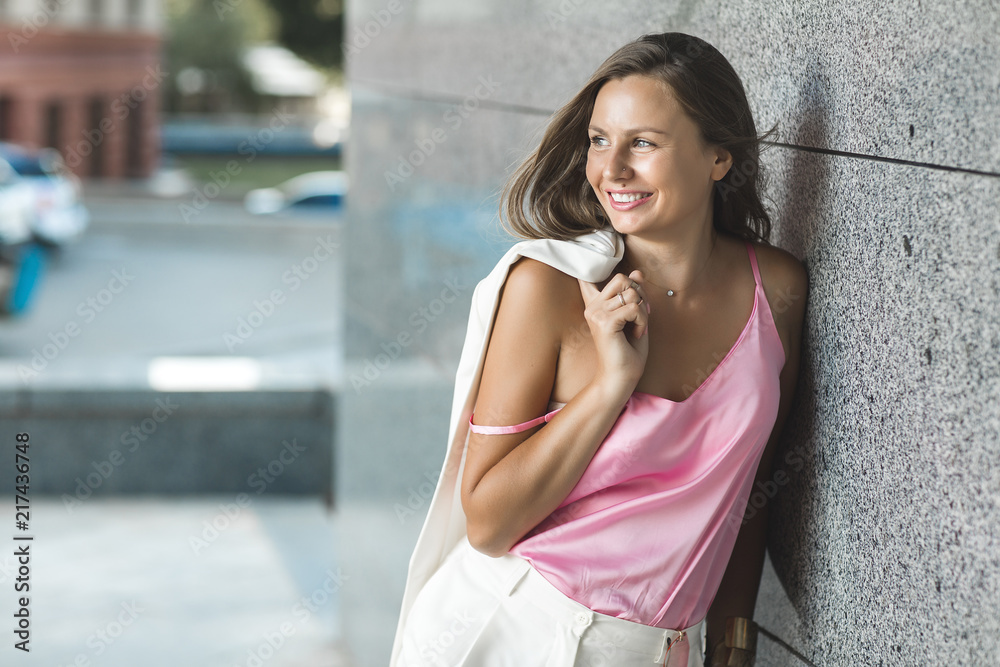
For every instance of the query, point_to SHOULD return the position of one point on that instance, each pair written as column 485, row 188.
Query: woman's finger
column 631, row 299
column 623, row 285
column 637, row 315
column 618, row 302
column 636, row 283
column 618, row 316
column 588, row 290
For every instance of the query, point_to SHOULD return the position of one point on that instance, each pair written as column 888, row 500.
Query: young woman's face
column 647, row 163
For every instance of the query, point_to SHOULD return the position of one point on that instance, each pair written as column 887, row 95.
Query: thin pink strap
column 753, row 261
column 504, row 430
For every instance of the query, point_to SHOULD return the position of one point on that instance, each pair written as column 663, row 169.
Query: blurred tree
column 203, row 50
column 312, row 29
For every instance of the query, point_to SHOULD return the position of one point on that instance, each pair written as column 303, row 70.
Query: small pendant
column 670, row 292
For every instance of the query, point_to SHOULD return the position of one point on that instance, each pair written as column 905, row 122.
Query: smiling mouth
column 626, row 201
column 628, row 197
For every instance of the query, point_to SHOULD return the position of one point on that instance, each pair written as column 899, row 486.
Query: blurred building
column 286, row 82
column 83, row 76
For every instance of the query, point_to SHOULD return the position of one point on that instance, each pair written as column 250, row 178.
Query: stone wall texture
column 884, row 546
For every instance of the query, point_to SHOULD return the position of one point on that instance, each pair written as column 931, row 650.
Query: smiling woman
column 652, row 177
column 624, row 384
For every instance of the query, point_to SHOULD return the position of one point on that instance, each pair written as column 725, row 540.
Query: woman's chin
column 625, row 224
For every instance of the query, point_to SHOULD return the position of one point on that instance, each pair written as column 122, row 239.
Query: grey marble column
column 884, row 180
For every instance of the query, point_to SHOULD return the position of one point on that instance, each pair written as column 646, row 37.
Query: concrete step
column 99, row 443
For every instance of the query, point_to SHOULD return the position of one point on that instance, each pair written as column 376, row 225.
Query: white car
column 20, row 261
column 17, row 207
column 59, row 215
column 320, row 192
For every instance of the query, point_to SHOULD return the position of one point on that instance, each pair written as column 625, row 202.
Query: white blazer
column 590, row 257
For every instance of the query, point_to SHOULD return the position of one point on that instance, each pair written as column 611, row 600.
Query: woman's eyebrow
column 638, row 130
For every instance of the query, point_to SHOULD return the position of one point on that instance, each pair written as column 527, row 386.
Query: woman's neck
column 678, row 263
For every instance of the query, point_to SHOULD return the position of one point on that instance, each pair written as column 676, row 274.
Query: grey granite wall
column 885, row 180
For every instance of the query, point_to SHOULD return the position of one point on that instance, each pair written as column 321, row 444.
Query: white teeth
column 624, row 199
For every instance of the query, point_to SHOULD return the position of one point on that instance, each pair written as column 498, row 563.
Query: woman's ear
column 723, row 162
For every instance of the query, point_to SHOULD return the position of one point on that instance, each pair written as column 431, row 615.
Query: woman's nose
column 616, row 165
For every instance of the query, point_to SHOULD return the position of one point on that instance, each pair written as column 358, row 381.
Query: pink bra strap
column 504, row 430
column 753, row 261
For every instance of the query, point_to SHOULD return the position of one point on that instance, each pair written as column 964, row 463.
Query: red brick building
column 84, row 76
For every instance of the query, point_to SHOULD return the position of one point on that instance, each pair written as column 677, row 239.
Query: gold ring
column 621, row 298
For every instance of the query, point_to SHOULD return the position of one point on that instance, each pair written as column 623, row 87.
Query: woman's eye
column 642, row 143
column 598, row 141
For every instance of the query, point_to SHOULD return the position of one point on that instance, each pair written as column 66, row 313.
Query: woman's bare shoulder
column 537, row 286
column 786, row 284
column 771, row 257
column 523, row 350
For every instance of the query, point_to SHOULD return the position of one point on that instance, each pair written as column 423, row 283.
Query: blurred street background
column 171, row 225
column 187, row 287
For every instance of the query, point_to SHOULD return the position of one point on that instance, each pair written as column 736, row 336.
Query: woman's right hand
column 512, row 482
column 619, row 331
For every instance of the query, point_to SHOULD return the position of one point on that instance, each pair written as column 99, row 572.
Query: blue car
column 317, row 193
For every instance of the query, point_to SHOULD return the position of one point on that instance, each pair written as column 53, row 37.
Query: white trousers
column 478, row 611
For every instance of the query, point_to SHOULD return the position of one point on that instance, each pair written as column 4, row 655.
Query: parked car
column 17, row 207
column 21, row 260
column 60, row 217
column 320, row 192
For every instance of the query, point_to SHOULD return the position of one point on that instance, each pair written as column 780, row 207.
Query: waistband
column 517, row 576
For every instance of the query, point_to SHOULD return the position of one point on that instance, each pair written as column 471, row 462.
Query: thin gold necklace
column 671, row 292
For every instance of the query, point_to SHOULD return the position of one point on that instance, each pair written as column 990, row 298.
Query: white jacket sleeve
column 590, row 257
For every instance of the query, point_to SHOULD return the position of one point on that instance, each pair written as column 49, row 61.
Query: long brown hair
column 549, row 195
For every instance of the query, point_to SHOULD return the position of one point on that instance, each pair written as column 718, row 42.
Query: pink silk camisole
column 647, row 532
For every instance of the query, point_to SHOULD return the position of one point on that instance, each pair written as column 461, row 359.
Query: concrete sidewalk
column 199, row 581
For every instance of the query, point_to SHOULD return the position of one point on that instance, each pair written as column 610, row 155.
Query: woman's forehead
column 636, row 102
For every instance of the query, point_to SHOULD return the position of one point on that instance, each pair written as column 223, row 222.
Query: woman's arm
column 512, row 482
column 737, row 594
